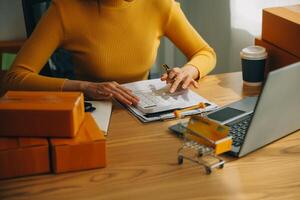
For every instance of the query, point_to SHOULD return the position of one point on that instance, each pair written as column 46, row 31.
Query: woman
column 111, row 41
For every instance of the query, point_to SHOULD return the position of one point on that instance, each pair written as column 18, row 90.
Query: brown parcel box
column 86, row 151
column 281, row 27
column 41, row 114
column 277, row 57
column 23, row 156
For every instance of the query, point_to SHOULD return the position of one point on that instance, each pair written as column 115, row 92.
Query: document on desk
column 184, row 99
column 102, row 114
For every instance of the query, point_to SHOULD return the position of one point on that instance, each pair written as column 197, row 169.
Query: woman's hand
column 107, row 90
column 181, row 77
column 102, row 91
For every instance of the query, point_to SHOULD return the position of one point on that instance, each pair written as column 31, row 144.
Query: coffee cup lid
column 254, row 53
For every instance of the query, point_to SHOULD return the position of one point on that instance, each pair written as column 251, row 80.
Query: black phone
column 178, row 129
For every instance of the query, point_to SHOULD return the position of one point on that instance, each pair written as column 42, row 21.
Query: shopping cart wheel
column 208, row 170
column 180, row 160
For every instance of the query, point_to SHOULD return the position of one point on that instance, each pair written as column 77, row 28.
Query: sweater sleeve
column 185, row 37
column 24, row 74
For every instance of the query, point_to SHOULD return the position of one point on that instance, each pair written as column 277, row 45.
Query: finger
column 124, row 91
column 187, row 82
column 195, row 84
column 128, row 93
column 109, row 96
column 117, row 85
column 102, row 93
column 102, row 97
column 164, row 77
column 115, row 94
column 177, row 81
column 131, row 98
column 170, row 81
column 122, row 99
column 123, row 96
column 172, row 74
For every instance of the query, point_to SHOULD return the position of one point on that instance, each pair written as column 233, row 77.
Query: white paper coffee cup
column 253, row 65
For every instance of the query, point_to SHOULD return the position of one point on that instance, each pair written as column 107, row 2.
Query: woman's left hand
column 181, row 77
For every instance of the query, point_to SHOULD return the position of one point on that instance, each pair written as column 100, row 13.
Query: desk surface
column 142, row 164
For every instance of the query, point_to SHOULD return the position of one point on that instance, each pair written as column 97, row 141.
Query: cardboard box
column 23, row 156
column 86, row 151
column 281, row 27
column 41, row 114
column 277, row 57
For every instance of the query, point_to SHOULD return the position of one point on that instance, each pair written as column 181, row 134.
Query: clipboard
column 188, row 99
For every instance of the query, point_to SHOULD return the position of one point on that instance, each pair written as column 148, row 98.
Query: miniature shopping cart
column 203, row 141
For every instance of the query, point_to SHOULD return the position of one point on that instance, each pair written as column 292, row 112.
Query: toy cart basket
column 203, row 141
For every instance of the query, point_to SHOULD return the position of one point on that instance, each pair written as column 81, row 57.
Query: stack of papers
column 186, row 99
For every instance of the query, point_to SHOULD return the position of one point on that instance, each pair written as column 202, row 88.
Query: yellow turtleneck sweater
column 110, row 40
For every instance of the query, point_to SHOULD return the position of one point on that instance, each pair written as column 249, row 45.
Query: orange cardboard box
column 277, row 57
column 41, row 114
column 281, row 27
column 86, row 151
column 23, row 156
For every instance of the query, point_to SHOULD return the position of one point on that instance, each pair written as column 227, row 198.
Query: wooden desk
column 142, row 164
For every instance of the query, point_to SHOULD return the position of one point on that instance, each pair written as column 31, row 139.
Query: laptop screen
column 225, row 114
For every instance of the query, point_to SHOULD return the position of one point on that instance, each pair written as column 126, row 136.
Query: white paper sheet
column 102, row 114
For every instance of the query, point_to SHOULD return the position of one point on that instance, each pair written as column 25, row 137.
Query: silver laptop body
column 271, row 116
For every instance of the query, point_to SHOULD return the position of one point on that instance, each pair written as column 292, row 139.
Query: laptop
column 258, row 121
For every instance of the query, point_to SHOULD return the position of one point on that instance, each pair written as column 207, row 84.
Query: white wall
column 12, row 24
column 227, row 25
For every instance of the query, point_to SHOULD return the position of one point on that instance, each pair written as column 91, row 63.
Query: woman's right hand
column 103, row 91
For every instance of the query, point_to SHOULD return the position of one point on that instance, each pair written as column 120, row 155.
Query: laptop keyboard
column 238, row 130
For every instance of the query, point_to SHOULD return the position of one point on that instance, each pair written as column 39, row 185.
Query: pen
column 178, row 113
column 166, row 68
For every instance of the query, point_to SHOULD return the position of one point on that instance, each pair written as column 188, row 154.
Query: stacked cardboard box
column 281, row 36
column 85, row 151
column 64, row 131
column 41, row 114
column 277, row 57
column 23, row 156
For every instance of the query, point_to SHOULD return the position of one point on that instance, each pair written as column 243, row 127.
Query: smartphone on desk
column 179, row 129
